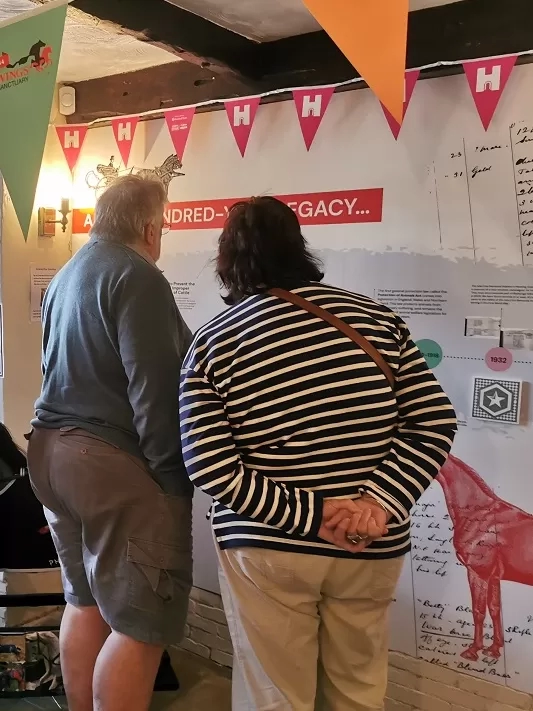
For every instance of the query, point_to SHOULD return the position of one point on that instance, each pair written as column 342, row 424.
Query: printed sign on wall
column 497, row 400
column 446, row 246
column 331, row 208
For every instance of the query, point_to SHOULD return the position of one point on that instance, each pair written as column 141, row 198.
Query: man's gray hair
column 129, row 204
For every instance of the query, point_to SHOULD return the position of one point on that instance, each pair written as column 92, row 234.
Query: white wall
column 22, row 339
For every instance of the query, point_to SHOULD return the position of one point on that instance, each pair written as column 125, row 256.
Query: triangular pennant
column 372, row 34
column 30, row 45
column 241, row 116
column 410, row 82
column 311, row 105
column 124, row 131
column 487, row 79
column 72, row 137
column 179, row 122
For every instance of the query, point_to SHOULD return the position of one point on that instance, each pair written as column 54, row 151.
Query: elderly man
column 104, row 454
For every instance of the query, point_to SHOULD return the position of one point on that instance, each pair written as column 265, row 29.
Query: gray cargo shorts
column 122, row 543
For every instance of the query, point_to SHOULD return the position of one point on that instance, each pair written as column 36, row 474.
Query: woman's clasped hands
column 353, row 524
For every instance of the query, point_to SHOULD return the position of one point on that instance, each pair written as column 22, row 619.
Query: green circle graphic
column 431, row 351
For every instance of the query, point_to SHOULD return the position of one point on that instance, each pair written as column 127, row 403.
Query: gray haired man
column 104, row 454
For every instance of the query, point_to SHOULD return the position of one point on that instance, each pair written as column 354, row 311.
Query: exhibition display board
column 439, row 226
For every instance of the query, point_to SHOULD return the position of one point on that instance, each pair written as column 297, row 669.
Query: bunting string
column 487, row 79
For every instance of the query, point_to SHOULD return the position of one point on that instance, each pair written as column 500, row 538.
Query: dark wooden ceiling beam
column 152, row 89
column 180, row 32
column 460, row 30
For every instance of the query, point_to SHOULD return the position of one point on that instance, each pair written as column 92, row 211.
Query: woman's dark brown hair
column 262, row 247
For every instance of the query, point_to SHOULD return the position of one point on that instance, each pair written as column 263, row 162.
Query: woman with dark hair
column 262, row 246
column 312, row 419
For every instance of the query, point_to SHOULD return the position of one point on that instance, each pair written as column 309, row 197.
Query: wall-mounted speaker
column 67, row 100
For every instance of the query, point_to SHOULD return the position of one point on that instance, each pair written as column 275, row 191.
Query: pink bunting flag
column 241, row 116
column 311, row 105
column 411, row 78
column 487, row 79
column 179, row 122
column 124, row 131
column 72, row 138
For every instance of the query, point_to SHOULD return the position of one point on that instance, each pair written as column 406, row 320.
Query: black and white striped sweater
column 279, row 410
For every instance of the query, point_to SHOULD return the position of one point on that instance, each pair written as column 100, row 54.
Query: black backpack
column 13, row 463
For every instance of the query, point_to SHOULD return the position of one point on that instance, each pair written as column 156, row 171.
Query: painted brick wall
column 207, row 632
column 414, row 685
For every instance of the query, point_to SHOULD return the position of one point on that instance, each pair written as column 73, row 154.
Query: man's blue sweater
column 113, row 344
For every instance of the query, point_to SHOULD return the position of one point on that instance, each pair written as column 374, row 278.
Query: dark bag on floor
column 12, row 459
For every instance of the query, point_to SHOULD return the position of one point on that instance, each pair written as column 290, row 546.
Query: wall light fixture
column 47, row 219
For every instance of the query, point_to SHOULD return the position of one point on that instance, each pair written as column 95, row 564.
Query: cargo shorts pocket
column 158, row 573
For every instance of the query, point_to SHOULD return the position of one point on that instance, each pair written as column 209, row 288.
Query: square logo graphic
column 497, row 400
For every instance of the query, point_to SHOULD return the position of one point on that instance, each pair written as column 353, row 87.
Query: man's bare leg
column 82, row 636
column 125, row 673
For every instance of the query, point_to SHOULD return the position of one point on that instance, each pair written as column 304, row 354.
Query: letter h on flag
column 124, row 131
column 487, row 79
column 72, row 138
column 241, row 115
column 311, row 105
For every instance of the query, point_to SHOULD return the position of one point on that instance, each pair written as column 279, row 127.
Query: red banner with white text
column 342, row 207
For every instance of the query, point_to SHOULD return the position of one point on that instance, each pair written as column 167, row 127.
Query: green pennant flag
column 30, row 45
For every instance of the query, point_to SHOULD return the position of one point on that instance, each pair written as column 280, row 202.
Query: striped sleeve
column 423, row 439
column 215, row 466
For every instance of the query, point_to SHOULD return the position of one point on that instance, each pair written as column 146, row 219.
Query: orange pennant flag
column 372, row 34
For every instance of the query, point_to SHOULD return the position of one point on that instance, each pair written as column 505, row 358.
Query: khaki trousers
column 310, row 633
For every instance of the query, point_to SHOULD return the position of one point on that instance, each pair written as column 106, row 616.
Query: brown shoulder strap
column 343, row 327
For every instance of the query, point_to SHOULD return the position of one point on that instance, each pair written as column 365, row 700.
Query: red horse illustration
column 493, row 540
column 44, row 60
